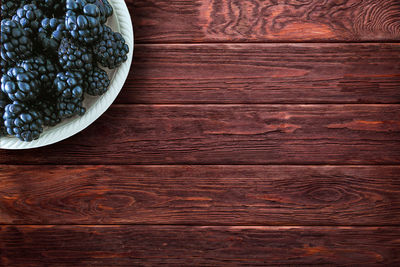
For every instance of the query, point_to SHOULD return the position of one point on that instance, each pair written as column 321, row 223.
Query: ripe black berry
column 96, row 82
column 29, row 16
column 22, row 122
column 82, row 21
column 74, row 57
column 111, row 50
column 20, row 84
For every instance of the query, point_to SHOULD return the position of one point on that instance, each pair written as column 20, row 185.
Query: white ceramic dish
column 95, row 106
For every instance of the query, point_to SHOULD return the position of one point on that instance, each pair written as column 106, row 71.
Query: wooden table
column 252, row 132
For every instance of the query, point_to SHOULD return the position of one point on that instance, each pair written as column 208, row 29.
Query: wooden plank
column 230, row 134
column 264, row 73
column 200, row 195
column 265, row 20
column 197, row 246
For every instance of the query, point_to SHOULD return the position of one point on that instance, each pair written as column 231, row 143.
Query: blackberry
column 96, row 82
column 44, row 70
column 48, row 109
column 29, row 16
column 23, row 123
column 51, row 32
column 15, row 42
column 68, row 86
column 111, row 50
column 20, row 85
column 105, row 8
column 73, row 57
column 83, row 21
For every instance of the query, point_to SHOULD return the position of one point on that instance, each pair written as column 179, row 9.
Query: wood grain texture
column 197, row 246
column 230, row 134
column 265, row 20
column 264, row 73
column 200, row 195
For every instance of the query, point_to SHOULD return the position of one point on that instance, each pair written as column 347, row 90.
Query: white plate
column 95, row 106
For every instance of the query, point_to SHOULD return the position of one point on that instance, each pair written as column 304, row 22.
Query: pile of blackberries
column 51, row 53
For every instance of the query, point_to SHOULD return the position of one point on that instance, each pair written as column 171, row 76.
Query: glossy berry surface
column 50, row 34
column 20, row 85
column 22, row 122
column 30, row 17
column 15, row 41
column 43, row 68
column 83, row 21
column 111, row 50
column 74, row 57
column 96, row 82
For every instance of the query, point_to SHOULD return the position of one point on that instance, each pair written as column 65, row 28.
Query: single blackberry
column 29, row 16
column 82, row 21
column 4, row 101
column 111, row 50
column 96, row 82
column 44, row 70
column 20, row 84
column 23, row 123
column 73, row 57
column 69, row 84
column 15, row 42
column 48, row 109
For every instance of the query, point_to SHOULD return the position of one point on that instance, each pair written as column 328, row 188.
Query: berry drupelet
column 29, row 16
column 96, row 82
column 51, row 32
column 83, row 21
column 22, row 122
column 74, row 57
column 15, row 42
column 20, row 84
column 111, row 50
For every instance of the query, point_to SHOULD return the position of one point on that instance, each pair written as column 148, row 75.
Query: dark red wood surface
column 264, row 73
column 126, row 245
column 200, row 195
column 265, row 20
column 304, row 95
column 230, row 134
